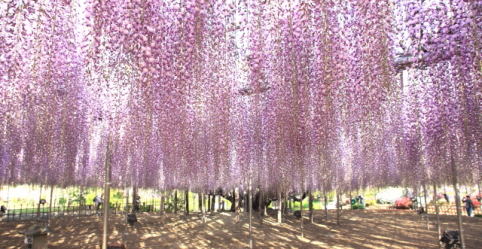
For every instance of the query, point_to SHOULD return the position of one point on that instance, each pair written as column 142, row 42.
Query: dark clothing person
column 446, row 198
column 469, row 205
column 137, row 204
column 3, row 209
column 362, row 200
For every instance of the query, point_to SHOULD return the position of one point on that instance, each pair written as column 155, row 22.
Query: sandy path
column 358, row 229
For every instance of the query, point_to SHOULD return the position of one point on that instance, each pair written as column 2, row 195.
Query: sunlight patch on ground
column 378, row 230
column 303, row 239
column 282, row 237
column 320, row 225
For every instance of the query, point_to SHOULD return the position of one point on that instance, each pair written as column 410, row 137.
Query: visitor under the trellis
column 469, row 205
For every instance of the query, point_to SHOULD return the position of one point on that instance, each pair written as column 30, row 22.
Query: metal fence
column 31, row 212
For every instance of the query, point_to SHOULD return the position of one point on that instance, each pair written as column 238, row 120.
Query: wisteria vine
column 200, row 94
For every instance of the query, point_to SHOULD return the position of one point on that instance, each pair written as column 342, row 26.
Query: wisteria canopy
column 201, row 94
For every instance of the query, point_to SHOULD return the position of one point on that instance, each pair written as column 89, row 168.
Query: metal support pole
column 186, row 197
column 161, row 208
column 175, row 201
column 301, row 213
column 338, row 204
column 260, row 207
column 50, row 204
column 311, row 206
column 106, row 196
column 250, row 214
column 326, row 208
column 425, row 193
column 437, row 213
column 124, row 235
column 203, row 208
column 457, row 199
column 279, row 207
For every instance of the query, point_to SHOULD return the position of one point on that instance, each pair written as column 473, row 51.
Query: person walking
column 98, row 200
column 137, row 204
column 362, row 200
column 469, row 205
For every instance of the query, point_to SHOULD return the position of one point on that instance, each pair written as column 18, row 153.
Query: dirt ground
column 358, row 229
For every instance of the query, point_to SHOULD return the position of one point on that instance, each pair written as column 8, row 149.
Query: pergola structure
column 201, row 94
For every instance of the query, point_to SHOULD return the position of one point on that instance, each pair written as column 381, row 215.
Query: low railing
column 31, row 212
column 443, row 209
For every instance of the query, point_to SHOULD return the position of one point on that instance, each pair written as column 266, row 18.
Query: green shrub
column 118, row 195
column 357, row 206
column 370, row 203
column 62, row 201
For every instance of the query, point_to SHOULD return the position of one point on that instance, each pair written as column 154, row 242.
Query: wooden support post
column 326, row 203
column 261, row 207
column 161, row 208
column 250, row 207
column 175, row 201
column 209, row 202
column 310, row 205
column 279, row 207
column 437, row 214
column 285, row 204
column 203, row 208
column 50, row 204
column 187, row 203
column 106, row 204
column 426, row 205
column 126, row 209
column 301, row 213
column 213, row 203
column 338, row 206
column 240, row 201
column 236, row 208
column 455, row 180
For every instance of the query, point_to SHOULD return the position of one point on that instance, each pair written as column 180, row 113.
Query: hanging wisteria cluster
column 203, row 94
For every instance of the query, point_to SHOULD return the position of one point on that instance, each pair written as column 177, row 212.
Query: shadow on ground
column 358, row 229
